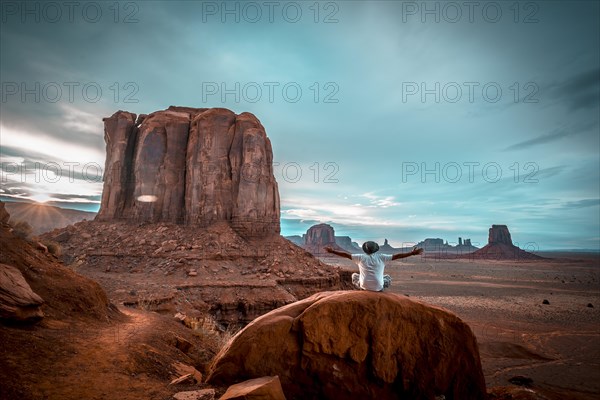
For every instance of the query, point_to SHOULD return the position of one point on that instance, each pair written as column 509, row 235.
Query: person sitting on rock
column 371, row 266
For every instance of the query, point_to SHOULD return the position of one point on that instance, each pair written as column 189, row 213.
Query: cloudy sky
column 398, row 120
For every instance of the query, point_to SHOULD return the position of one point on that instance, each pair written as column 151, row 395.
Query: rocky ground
column 174, row 268
column 84, row 347
column 536, row 322
column 555, row 344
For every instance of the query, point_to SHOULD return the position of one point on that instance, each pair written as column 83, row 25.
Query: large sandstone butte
column 499, row 234
column 501, row 247
column 189, row 219
column 357, row 345
column 195, row 166
column 318, row 237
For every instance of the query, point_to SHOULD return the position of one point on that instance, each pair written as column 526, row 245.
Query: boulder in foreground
column 265, row 388
column 17, row 301
column 355, row 345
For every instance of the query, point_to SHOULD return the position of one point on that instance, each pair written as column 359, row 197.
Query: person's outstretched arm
column 414, row 252
column 338, row 253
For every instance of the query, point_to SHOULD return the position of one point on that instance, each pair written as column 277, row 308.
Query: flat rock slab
column 265, row 388
column 204, row 394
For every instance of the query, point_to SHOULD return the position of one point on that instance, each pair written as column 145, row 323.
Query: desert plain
column 556, row 345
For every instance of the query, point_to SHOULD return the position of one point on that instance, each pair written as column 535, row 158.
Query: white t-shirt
column 371, row 268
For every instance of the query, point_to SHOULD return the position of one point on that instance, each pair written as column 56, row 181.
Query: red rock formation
column 159, row 168
column 388, row 249
column 319, row 236
column 120, row 136
column 239, row 279
column 190, row 165
column 65, row 293
column 357, row 345
column 500, row 247
column 17, row 301
column 499, row 234
column 4, row 215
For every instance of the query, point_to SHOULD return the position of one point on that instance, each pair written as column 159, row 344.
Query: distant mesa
column 318, row 237
column 344, row 242
column 437, row 245
column 501, row 247
column 387, row 248
column 499, row 234
column 466, row 243
column 321, row 235
column 192, row 166
column 432, row 244
column 296, row 239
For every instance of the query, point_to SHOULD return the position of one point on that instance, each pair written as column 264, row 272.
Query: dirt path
column 102, row 363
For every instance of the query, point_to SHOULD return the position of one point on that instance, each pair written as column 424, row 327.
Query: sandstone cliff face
column 120, row 137
column 357, row 345
column 318, row 236
column 194, row 166
column 499, row 234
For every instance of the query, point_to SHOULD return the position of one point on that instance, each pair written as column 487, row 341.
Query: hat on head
column 370, row 247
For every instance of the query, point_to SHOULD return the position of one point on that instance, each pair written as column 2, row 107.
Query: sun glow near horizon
column 41, row 198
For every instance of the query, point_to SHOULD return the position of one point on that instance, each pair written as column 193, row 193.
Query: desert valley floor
column 556, row 344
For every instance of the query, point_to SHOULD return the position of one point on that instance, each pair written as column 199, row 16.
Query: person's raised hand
column 416, row 251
